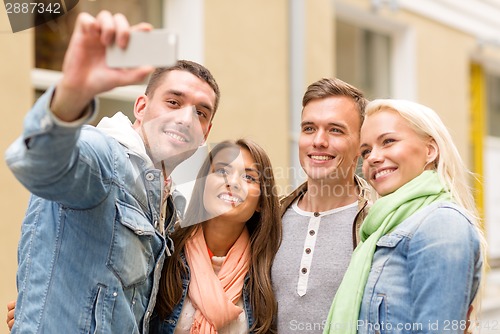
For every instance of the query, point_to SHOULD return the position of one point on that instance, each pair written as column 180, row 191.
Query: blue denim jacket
column 424, row 274
column 89, row 256
column 167, row 326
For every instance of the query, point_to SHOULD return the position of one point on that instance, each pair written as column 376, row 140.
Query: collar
column 120, row 128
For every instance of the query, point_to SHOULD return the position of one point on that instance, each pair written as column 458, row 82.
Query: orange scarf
column 214, row 296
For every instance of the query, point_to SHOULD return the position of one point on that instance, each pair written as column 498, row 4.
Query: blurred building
column 442, row 53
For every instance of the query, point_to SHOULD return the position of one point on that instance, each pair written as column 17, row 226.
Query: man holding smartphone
column 93, row 240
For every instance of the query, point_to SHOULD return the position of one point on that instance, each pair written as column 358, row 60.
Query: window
column 363, row 59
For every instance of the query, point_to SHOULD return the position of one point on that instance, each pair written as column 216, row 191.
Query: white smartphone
column 156, row 48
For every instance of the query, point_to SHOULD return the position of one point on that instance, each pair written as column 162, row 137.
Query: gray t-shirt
column 309, row 266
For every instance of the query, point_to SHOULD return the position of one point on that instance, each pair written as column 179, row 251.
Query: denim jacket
column 424, row 275
column 90, row 255
column 167, row 326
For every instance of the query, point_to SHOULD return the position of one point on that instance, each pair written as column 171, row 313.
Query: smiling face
column 393, row 152
column 175, row 119
column 329, row 138
column 232, row 189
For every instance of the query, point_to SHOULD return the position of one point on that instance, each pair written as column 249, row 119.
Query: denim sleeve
column 53, row 161
column 441, row 261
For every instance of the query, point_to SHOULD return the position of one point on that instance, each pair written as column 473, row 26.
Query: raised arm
column 51, row 158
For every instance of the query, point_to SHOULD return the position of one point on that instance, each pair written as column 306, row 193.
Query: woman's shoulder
column 440, row 210
column 438, row 218
column 445, row 219
column 445, row 212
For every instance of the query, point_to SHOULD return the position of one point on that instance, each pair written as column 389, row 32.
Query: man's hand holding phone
column 85, row 71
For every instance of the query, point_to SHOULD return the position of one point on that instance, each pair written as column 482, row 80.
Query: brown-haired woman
column 218, row 278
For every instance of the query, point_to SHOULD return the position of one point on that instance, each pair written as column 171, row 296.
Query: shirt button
column 304, row 270
column 316, row 214
column 115, row 294
column 311, row 232
column 308, row 250
column 150, row 177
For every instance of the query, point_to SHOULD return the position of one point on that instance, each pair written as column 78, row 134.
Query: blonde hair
column 451, row 169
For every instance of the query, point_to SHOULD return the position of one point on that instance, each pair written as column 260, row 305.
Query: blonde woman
column 419, row 264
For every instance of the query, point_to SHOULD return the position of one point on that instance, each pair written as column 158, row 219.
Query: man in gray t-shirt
column 321, row 217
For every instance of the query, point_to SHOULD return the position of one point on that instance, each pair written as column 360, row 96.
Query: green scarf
column 385, row 215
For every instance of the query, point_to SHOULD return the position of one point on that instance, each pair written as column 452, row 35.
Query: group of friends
column 103, row 248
